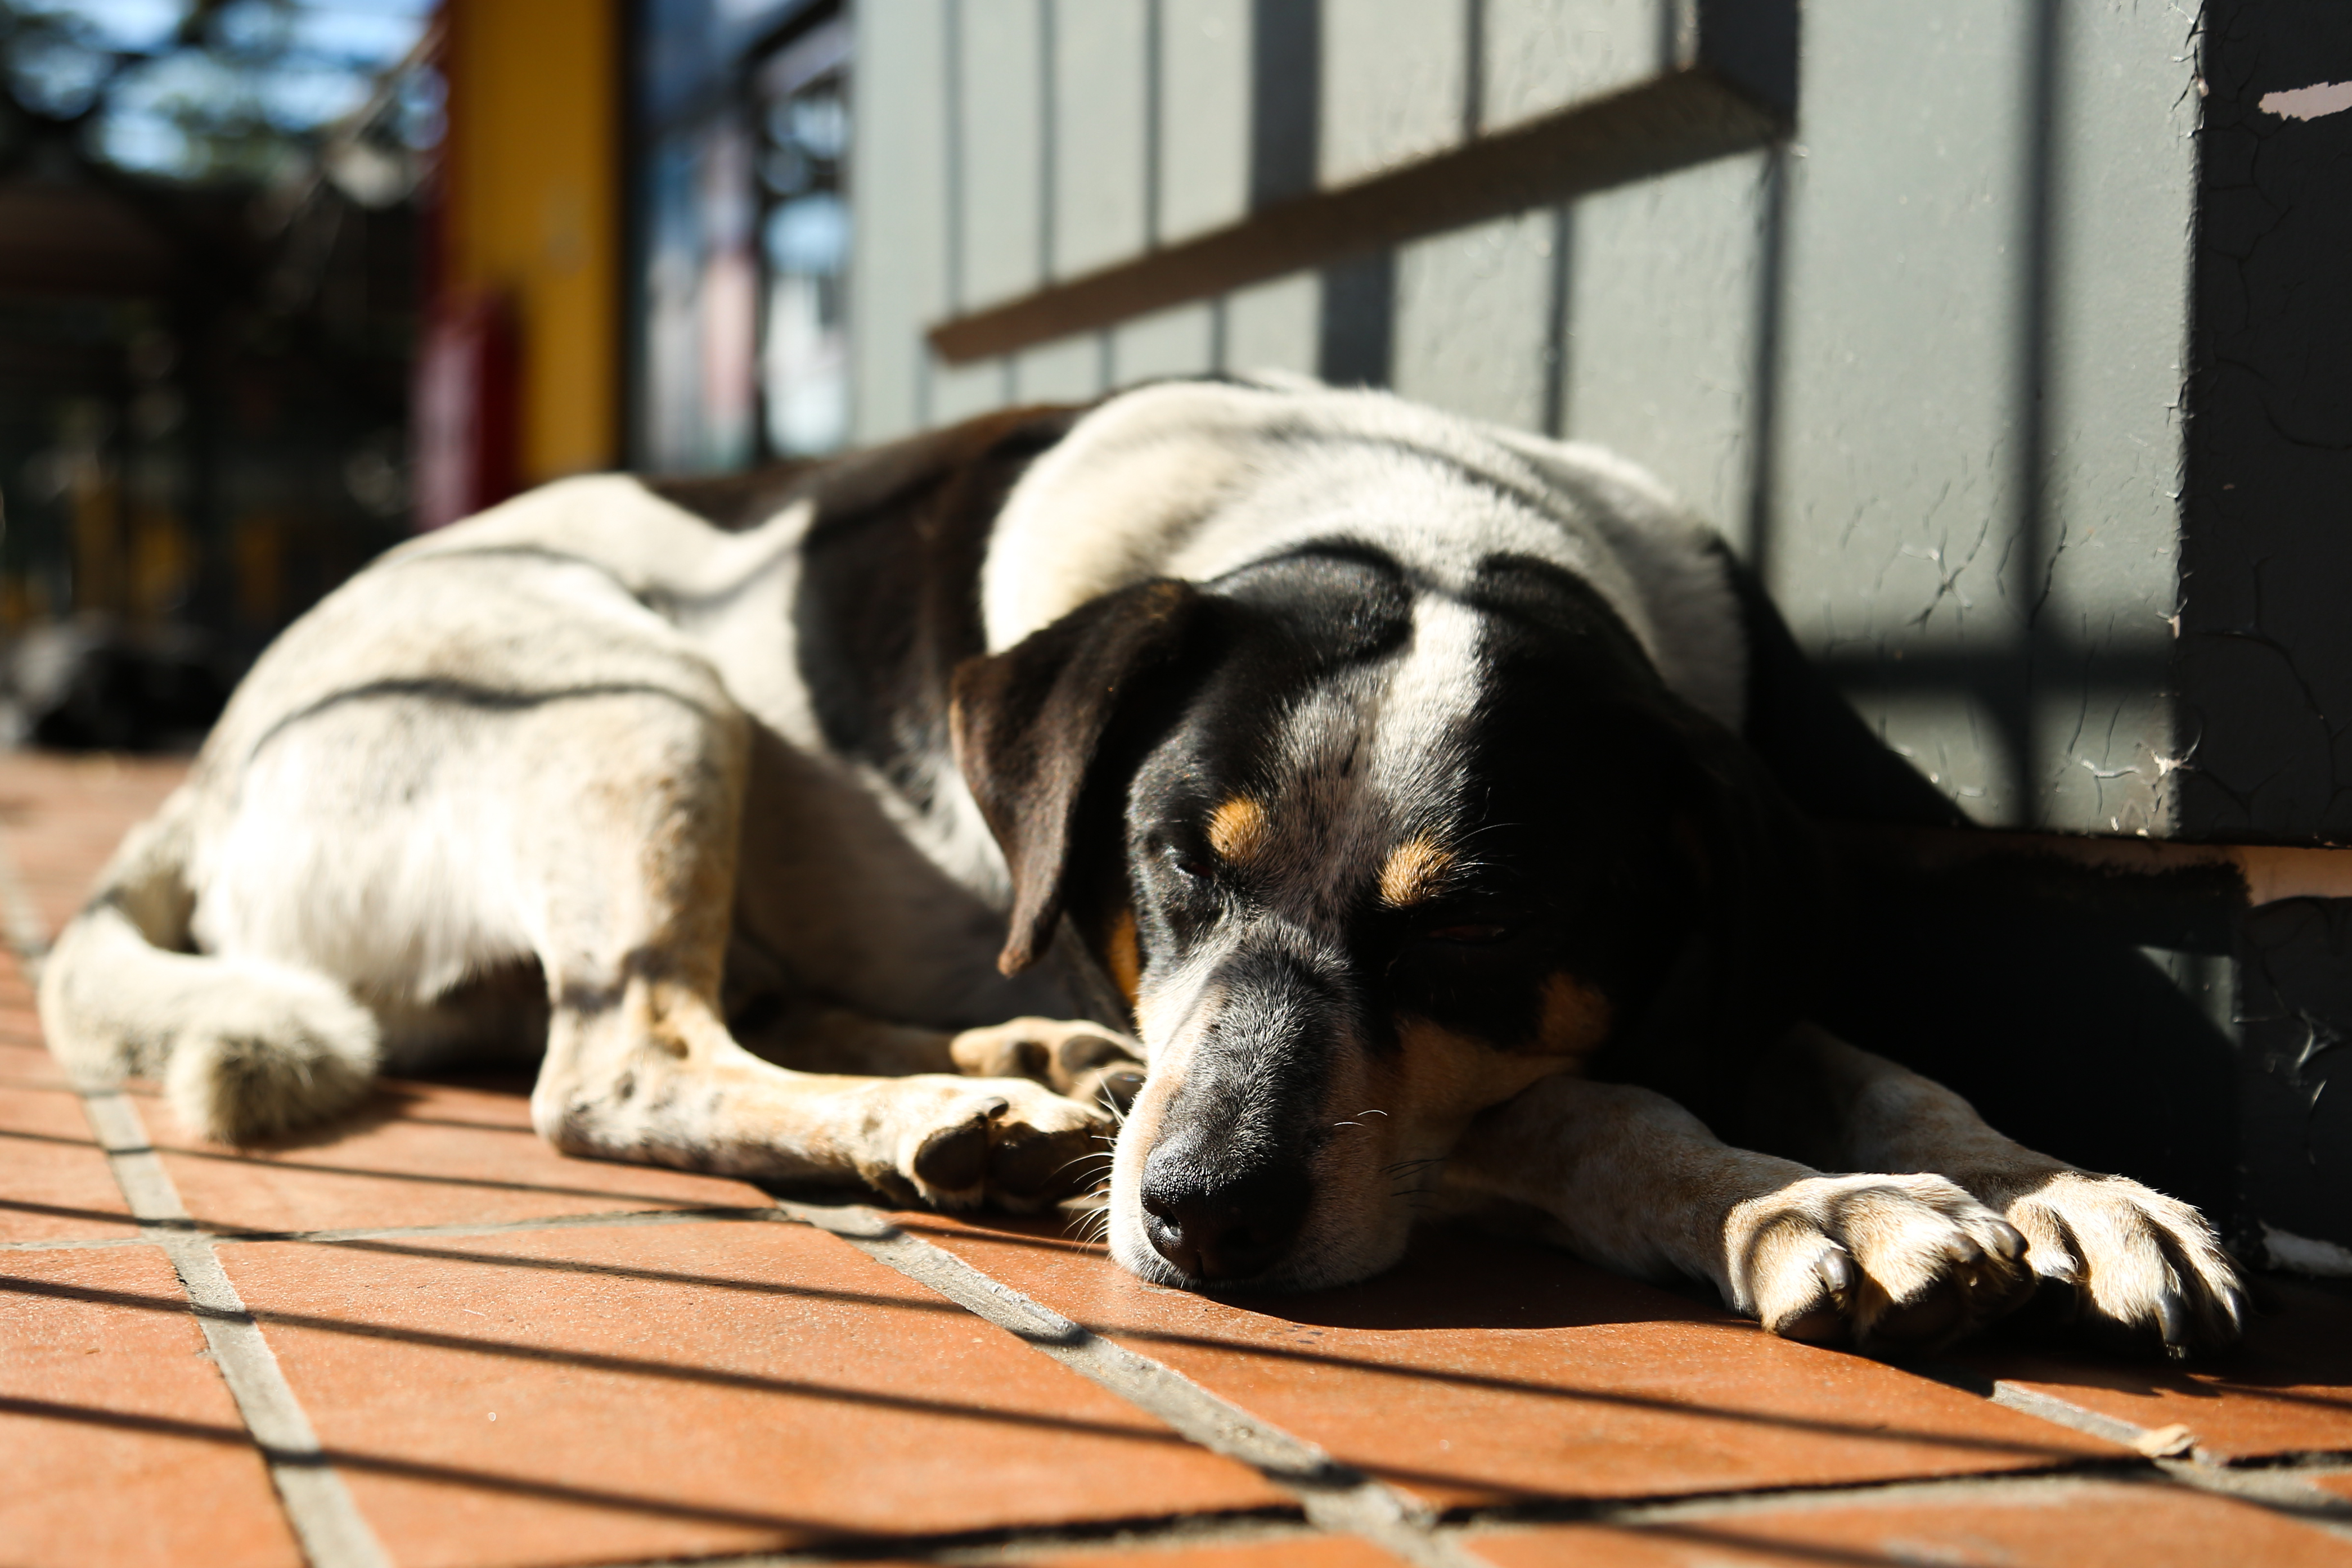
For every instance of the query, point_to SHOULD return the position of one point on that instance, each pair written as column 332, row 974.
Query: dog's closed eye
column 1468, row 935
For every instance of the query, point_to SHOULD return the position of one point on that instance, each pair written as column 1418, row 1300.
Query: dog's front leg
column 649, row 1074
column 633, row 869
column 1632, row 1180
column 2120, row 1256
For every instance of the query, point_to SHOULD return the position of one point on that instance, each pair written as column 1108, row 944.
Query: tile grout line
column 2063, row 1413
column 2278, row 1492
column 1638, row 1513
column 318, row 1506
column 2170, row 1449
column 602, row 1218
column 76, row 1244
column 1140, row 1542
column 1024, row 1545
column 1335, row 1497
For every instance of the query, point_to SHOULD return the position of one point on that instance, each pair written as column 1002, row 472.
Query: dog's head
column 1367, row 857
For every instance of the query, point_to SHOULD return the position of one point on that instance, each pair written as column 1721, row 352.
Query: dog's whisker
column 1089, row 1228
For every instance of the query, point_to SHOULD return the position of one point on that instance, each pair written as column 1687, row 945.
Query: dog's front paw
column 1083, row 1060
column 2128, row 1262
column 958, row 1143
column 1883, row 1263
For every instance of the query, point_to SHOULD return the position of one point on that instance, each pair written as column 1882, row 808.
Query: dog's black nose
column 1223, row 1230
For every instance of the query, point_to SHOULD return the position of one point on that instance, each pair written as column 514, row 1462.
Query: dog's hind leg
column 640, row 1063
column 2120, row 1258
column 247, row 1048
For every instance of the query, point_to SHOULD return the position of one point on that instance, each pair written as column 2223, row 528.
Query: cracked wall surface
column 2264, row 667
column 1973, row 515
column 2265, row 658
column 1922, row 364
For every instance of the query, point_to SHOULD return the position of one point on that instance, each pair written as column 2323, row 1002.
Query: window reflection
column 744, row 236
column 803, row 350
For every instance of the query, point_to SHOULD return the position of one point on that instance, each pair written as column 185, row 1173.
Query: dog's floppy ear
column 1029, row 723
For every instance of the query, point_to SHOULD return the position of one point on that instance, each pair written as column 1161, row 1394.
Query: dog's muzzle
column 1229, row 1183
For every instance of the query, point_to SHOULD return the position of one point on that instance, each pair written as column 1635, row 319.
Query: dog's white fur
column 543, row 765
column 579, row 714
column 1204, row 478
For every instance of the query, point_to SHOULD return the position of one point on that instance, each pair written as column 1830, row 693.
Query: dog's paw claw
column 2129, row 1264
column 958, row 1144
column 1820, row 1319
column 1884, row 1263
column 955, row 1158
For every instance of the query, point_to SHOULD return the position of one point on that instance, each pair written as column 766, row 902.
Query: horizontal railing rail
column 1688, row 116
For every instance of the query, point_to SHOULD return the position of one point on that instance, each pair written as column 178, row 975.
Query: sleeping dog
column 1356, row 790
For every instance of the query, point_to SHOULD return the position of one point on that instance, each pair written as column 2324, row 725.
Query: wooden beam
column 1672, row 121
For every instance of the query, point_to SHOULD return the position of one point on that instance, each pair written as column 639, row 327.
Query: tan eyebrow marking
column 1416, row 871
column 1237, row 831
column 1125, row 953
column 1576, row 1016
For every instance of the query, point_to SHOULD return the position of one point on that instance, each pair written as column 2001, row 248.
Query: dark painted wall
column 2264, row 667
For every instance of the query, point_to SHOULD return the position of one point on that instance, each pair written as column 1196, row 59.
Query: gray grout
column 2279, row 1491
column 2067, row 1412
column 1334, row 1496
column 602, row 1218
column 1142, row 1539
column 77, row 1244
column 2271, row 1486
column 1634, row 1513
column 318, row 1506
column 2046, row 1487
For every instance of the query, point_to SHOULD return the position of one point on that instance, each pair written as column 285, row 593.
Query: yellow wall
column 533, row 208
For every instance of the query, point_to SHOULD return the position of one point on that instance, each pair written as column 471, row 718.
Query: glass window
column 804, row 346
column 744, row 233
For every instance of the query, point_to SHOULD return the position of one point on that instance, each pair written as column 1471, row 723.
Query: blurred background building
column 281, row 280
column 208, row 278
column 2009, row 341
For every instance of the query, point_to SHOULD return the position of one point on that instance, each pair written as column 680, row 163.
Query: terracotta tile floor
column 426, row 1340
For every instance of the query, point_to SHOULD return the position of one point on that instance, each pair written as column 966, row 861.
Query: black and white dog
column 1372, row 775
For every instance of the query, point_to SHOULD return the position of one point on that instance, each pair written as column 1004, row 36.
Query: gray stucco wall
column 1921, row 362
